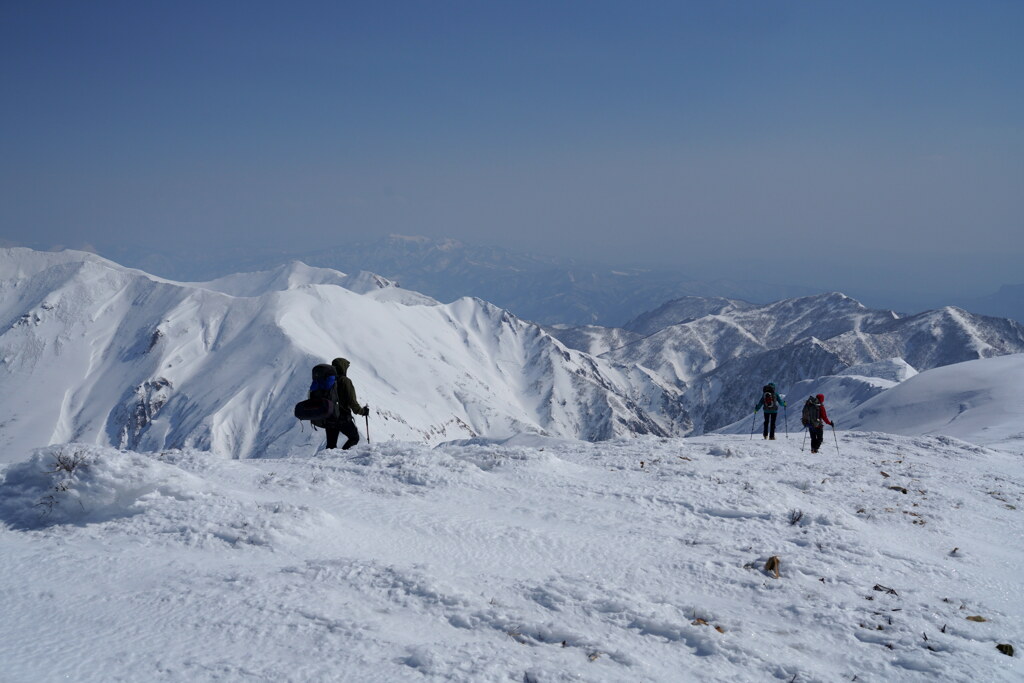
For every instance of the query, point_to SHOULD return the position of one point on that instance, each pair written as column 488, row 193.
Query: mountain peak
column 150, row 364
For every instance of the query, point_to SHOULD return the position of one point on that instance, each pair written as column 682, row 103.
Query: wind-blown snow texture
column 537, row 560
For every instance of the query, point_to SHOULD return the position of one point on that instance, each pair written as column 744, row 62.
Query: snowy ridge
column 683, row 310
column 95, row 352
column 593, row 339
column 720, row 360
column 297, row 274
column 98, row 353
column 629, row 560
column 980, row 401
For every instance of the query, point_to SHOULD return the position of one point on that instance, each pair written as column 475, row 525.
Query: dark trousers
column 348, row 428
column 817, row 436
column 769, row 425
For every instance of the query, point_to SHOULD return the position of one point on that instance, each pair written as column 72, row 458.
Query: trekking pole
column 367, row 416
column 753, row 423
column 785, row 412
column 836, row 438
column 805, row 439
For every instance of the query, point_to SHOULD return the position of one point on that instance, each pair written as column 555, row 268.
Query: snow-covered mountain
column 495, row 555
column 297, row 274
column 980, row 401
column 535, row 287
column 593, row 339
column 91, row 351
column 722, row 358
column 844, row 393
column 539, row 288
column 683, row 310
column 977, row 401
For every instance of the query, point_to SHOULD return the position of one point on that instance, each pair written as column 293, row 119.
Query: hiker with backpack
column 770, row 401
column 814, row 418
column 347, row 405
column 331, row 403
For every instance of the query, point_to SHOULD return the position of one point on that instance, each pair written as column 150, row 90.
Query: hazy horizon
column 196, row 264
column 842, row 146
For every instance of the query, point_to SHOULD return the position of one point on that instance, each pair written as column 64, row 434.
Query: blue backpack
column 322, row 406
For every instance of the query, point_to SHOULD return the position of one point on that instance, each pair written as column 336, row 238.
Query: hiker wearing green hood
column 770, row 401
column 347, row 405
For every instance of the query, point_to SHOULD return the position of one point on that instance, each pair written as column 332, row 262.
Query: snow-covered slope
column 593, row 339
column 683, row 310
column 629, row 560
column 980, row 401
column 722, row 359
column 297, row 274
column 844, row 393
column 91, row 351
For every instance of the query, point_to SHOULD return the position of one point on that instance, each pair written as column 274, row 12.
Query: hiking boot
column 814, row 450
column 771, row 438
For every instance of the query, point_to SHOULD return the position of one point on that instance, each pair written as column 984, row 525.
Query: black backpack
column 811, row 415
column 322, row 406
column 768, row 400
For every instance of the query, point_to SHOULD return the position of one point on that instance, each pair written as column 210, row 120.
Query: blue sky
column 840, row 143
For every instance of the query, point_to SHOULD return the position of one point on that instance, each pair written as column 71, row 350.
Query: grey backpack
column 811, row 416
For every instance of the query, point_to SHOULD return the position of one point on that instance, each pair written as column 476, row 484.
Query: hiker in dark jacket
column 770, row 401
column 815, row 418
column 347, row 405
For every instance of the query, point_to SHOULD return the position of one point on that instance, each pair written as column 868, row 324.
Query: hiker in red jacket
column 815, row 418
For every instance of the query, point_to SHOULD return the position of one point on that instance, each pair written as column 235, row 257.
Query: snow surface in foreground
column 536, row 560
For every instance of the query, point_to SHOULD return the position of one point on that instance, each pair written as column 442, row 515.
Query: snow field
column 535, row 560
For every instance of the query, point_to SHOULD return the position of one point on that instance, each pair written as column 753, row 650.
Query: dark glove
column 366, row 410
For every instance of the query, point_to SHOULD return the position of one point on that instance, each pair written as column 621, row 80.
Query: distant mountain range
column 93, row 351
column 720, row 352
column 543, row 289
column 538, row 288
